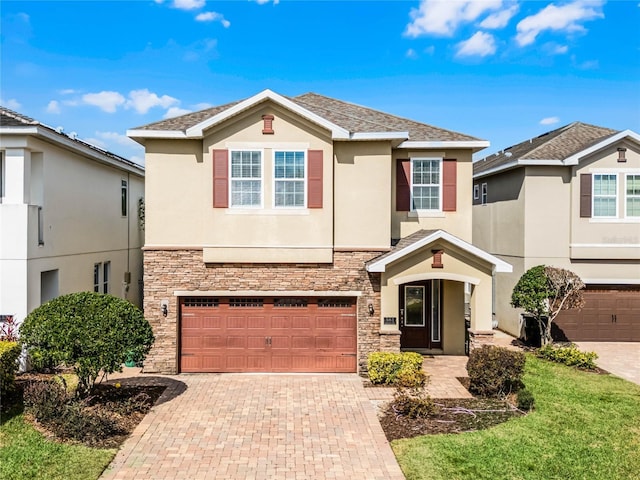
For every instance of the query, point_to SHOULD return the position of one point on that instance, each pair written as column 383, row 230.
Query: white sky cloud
column 560, row 49
column 480, row 44
column 213, row 17
column 115, row 137
column 549, row 121
column 106, row 100
column 11, row 103
column 411, row 53
column 566, row 18
column 143, row 100
column 262, row 2
column 202, row 106
column 439, row 17
column 53, row 107
column 175, row 112
column 67, row 91
column 188, row 4
column 499, row 19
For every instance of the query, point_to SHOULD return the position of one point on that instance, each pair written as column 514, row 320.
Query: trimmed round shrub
column 88, row 331
column 384, row 367
column 525, row 400
column 495, row 371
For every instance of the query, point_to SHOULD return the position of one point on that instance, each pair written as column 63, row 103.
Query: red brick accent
column 268, row 124
column 479, row 338
column 437, row 259
column 166, row 271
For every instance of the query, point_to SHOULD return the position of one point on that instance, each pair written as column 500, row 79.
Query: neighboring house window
column 289, row 179
column 476, row 192
column 605, row 202
column 124, row 193
column 632, row 202
column 40, row 227
column 246, row 179
column 1, row 175
column 425, row 183
column 101, row 275
column 484, row 194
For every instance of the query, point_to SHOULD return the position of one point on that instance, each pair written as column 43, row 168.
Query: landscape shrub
column 91, row 332
column 570, row 355
column 45, row 400
column 525, row 400
column 413, row 402
column 9, row 353
column 87, row 425
column 384, row 367
column 495, row 371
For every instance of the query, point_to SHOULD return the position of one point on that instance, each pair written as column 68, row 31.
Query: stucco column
column 17, row 170
column 481, row 331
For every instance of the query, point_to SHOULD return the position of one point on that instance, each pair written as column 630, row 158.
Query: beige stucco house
column 68, row 217
column 569, row 198
column 300, row 234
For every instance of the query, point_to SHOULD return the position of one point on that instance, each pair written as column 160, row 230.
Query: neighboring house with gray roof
column 303, row 233
column 68, row 217
column 569, row 198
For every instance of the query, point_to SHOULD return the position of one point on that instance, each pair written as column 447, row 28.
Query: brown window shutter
column 403, row 185
column 314, row 179
column 221, row 178
column 585, row 195
column 449, row 186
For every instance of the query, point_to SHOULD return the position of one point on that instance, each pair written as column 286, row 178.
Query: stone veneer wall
column 166, row 271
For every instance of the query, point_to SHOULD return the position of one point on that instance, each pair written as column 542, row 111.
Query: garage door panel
column 265, row 335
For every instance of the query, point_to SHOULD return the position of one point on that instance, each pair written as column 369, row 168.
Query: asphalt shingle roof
column 557, row 144
column 404, row 243
column 349, row 116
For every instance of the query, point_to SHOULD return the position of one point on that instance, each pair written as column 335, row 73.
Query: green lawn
column 585, row 426
column 26, row 455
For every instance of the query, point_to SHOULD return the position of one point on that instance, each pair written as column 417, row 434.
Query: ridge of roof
column 23, row 119
column 555, row 145
column 183, row 122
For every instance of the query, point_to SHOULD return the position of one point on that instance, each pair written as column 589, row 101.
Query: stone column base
column 478, row 338
column 390, row 341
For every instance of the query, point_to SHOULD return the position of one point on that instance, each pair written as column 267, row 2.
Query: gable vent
column 267, row 129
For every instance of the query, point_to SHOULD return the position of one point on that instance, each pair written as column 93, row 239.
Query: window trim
column 124, row 198
column 231, row 178
column 440, row 161
column 484, row 194
column 615, row 196
column 626, row 195
column 2, row 175
column 476, row 191
column 304, row 179
column 102, row 277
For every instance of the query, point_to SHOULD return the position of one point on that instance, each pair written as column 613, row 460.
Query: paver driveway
column 258, row 427
column 619, row 358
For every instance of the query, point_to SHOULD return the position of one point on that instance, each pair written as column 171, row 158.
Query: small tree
column 543, row 292
column 90, row 332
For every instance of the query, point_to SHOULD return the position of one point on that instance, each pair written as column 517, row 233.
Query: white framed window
column 101, row 276
column 485, row 192
column 124, row 197
column 632, row 195
column 289, row 179
column 426, row 184
column 605, row 195
column 246, row 178
column 476, row 191
column 1, row 175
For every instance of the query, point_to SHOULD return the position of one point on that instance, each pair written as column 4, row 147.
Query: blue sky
column 500, row 70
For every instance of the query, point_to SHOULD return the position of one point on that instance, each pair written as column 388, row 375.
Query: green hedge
column 9, row 353
column 384, row 367
column 570, row 356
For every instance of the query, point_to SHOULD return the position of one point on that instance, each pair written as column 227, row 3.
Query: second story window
column 632, row 205
column 101, row 274
column 605, row 201
column 425, row 184
column 124, row 194
column 484, row 194
column 246, row 179
column 289, row 179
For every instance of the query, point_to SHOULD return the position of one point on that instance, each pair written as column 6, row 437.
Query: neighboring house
column 569, row 198
column 301, row 234
column 68, row 217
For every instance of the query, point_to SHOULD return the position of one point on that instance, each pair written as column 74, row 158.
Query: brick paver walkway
column 619, row 358
column 273, row 427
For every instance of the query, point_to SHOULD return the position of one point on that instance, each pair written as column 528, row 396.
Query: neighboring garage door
column 268, row 335
column 609, row 315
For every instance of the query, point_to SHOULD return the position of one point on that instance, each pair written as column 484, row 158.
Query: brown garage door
column 268, row 335
column 609, row 315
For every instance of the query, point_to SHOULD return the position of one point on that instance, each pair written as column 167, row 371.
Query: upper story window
column 605, row 198
column 426, row 184
column 484, row 193
column 124, row 197
column 289, row 179
column 246, row 179
column 1, row 175
column 632, row 195
column 476, row 191
column 101, row 274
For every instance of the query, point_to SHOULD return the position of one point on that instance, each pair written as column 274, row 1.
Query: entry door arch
column 420, row 314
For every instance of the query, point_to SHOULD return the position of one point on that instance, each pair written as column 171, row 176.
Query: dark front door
column 421, row 315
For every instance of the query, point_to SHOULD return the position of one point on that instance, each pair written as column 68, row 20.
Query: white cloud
column 567, row 18
column 67, row 91
column 143, row 100
column 549, row 121
column 213, row 16
column 115, row 137
column 480, row 44
column 440, row 17
column 499, row 19
column 53, row 107
column 560, row 49
column 11, row 103
column 262, row 2
column 188, row 4
column 411, row 53
column 106, row 100
column 175, row 112
column 430, row 50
